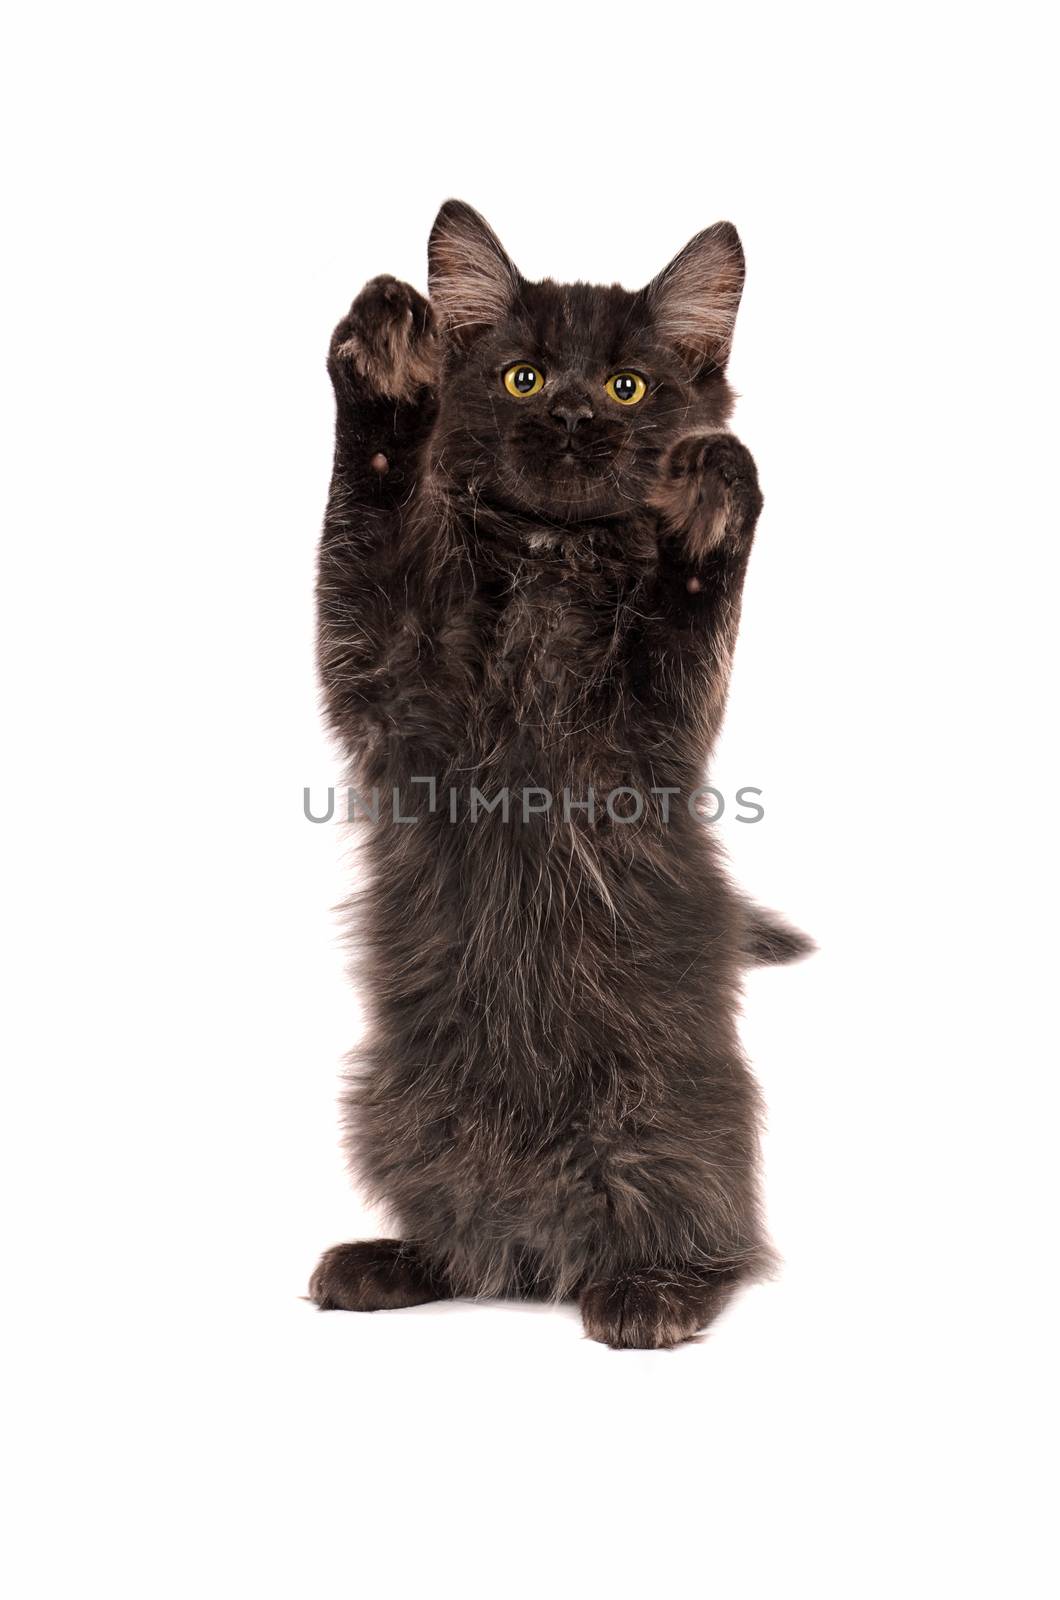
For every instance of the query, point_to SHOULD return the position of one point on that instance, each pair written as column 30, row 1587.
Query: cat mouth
column 564, row 481
column 563, row 500
column 576, row 455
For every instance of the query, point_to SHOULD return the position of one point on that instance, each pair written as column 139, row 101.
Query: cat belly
column 536, row 1086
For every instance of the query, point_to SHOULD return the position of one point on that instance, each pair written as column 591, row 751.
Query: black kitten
column 530, row 583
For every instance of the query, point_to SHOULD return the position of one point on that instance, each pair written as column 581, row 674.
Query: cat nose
column 570, row 410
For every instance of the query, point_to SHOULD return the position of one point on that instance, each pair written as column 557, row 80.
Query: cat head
column 560, row 399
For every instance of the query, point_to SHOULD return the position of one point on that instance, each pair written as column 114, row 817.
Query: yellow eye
column 522, row 379
column 627, row 388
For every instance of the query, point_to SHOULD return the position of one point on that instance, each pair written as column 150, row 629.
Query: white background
column 195, row 192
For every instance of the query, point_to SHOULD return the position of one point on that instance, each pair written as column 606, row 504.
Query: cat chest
column 551, row 647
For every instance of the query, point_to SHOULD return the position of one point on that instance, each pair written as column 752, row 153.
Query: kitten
column 529, row 590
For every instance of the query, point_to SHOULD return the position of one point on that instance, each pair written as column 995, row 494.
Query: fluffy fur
column 543, row 594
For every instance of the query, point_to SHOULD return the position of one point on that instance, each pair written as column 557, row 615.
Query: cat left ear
column 471, row 278
column 695, row 299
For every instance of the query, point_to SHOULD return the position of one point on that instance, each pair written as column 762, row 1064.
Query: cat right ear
column 472, row 280
column 695, row 299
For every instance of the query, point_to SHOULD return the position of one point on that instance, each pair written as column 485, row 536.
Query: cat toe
column 654, row 1308
column 373, row 1275
column 388, row 339
column 627, row 1314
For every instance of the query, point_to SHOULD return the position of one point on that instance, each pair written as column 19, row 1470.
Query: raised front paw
column 708, row 492
column 387, row 341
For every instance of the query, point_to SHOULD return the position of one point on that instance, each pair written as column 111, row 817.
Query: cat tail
column 768, row 940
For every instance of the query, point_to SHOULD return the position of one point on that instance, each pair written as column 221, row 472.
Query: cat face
column 561, row 400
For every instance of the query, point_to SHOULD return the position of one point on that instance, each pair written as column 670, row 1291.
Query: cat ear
column 471, row 279
column 695, row 299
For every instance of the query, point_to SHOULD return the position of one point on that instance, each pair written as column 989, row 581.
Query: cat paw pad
column 389, row 340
